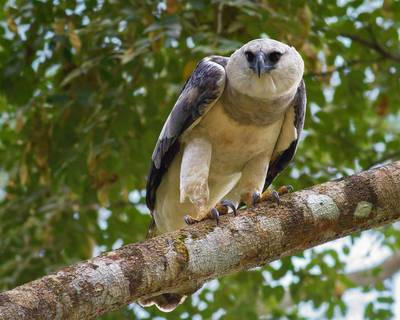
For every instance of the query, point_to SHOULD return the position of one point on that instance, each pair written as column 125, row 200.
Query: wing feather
column 283, row 158
column 200, row 92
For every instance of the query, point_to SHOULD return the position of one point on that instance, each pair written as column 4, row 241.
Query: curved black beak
column 261, row 64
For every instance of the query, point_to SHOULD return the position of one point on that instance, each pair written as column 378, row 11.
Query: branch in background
column 360, row 278
column 372, row 45
column 205, row 251
column 343, row 67
column 388, row 157
column 387, row 269
column 219, row 18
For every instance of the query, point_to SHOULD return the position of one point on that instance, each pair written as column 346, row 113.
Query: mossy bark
column 205, row 251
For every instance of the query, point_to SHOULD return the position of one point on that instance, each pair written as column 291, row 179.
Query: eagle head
column 265, row 68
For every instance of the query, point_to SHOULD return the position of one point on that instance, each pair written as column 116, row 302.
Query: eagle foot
column 189, row 220
column 275, row 195
column 220, row 209
column 224, row 206
column 250, row 199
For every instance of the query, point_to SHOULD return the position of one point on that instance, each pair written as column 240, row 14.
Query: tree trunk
column 206, row 251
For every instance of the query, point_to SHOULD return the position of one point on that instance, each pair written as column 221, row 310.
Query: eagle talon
column 189, row 220
column 285, row 189
column 255, row 198
column 276, row 197
column 229, row 204
column 215, row 214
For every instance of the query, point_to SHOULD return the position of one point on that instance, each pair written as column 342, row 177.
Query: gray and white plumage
column 233, row 129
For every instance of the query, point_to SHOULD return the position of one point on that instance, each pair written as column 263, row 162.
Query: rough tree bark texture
column 205, row 251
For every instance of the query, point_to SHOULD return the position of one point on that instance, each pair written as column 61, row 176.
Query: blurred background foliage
column 86, row 85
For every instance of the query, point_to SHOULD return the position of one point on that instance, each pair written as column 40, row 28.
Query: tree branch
column 371, row 277
column 389, row 157
column 374, row 45
column 205, row 251
column 343, row 67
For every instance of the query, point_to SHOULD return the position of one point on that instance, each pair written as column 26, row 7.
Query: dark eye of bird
column 274, row 56
column 249, row 56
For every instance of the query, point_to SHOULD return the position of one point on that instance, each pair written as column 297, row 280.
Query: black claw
column 215, row 214
column 229, row 204
column 276, row 197
column 256, row 198
column 188, row 220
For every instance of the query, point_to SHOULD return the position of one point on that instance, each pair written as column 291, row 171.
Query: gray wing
column 200, row 92
column 283, row 159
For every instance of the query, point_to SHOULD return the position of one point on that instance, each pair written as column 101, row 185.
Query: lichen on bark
column 187, row 257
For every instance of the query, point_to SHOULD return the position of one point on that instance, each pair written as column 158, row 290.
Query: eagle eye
column 274, row 56
column 249, row 56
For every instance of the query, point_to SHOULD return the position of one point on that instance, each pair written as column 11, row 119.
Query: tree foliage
column 86, row 85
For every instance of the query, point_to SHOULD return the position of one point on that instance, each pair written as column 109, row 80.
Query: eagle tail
column 166, row 302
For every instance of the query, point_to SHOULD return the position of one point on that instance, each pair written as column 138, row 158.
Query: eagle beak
column 262, row 64
column 259, row 63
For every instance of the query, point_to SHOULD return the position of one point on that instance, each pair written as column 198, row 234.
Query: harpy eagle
column 233, row 129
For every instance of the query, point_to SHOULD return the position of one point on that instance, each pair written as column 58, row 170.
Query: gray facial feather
column 254, row 111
